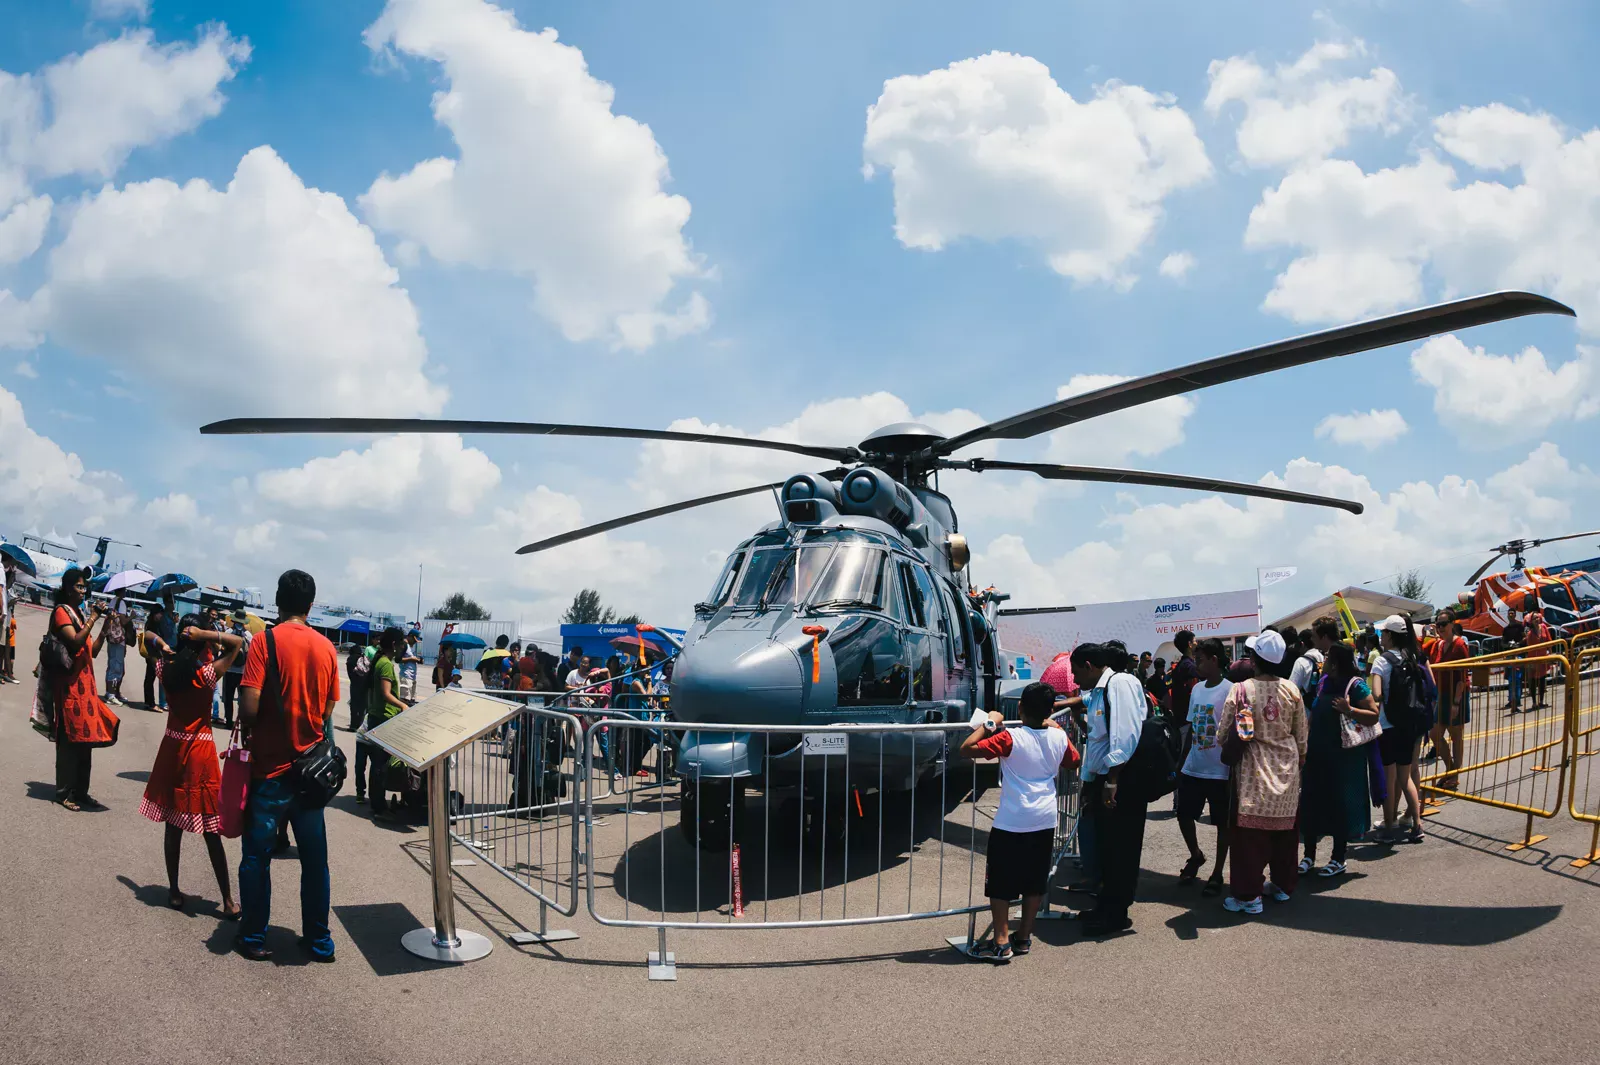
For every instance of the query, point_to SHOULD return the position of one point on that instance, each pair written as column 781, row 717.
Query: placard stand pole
column 444, row 941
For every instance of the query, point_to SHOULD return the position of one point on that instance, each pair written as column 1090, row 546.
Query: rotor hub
column 901, row 440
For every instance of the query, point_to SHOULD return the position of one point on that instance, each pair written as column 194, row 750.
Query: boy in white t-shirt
column 1203, row 780
column 1021, row 841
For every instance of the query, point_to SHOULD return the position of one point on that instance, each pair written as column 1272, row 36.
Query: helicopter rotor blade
column 1297, row 351
column 1496, row 557
column 643, row 515
column 251, row 426
column 1053, row 472
column 1569, row 536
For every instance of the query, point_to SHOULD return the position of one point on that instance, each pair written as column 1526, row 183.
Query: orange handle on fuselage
column 816, row 632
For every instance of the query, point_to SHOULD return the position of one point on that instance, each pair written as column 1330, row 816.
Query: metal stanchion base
column 1525, row 844
column 662, row 970
column 523, row 939
column 422, row 943
column 960, row 943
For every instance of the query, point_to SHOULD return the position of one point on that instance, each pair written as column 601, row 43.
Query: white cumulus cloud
column 22, row 230
column 394, row 475
column 992, row 148
column 86, row 113
column 113, row 10
column 1371, row 430
column 1176, row 266
column 1113, row 439
column 1489, row 399
column 263, row 297
column 548, row 183
column 1300, row 111
column 1366, row 242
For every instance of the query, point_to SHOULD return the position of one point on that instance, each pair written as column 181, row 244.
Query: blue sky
column 761, row 115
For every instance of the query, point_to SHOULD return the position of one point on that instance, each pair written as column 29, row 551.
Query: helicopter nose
column 719, row 683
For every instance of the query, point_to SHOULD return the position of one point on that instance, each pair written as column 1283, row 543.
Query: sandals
column 1021, row 945
column 233, row 914
column 1191, row 870
column 990, row 951
column 1213, row 887
column 1305, row 866
column 1333, row 868
column 176, row 900
column 68, row 804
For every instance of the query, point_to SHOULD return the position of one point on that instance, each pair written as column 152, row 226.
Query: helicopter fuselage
column 851, row 609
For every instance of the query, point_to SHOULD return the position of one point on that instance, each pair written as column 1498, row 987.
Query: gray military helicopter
column 855, row 604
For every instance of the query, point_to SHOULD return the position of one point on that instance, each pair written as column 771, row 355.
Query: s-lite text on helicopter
column 855, row 605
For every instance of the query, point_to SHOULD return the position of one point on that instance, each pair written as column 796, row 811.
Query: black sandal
column 1213, row 887
column 1191, row 870
column 176, row 900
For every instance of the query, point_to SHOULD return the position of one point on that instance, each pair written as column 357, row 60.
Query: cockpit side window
column 916, row 608
column 725, row 583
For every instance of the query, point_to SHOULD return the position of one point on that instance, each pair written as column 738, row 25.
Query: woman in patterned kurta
column 185, row 787
column 1268, row 712
column 82, row 721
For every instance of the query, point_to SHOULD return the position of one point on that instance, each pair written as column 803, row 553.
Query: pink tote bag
column 235, row 787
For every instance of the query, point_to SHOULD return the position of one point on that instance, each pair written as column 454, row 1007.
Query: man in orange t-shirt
column 283, row 721
column 1454, row 708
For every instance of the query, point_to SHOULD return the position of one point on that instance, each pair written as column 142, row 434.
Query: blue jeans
column 1514, row 681
column 271, row 802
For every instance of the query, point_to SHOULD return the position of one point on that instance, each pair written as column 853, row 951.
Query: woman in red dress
column 185, row 786
column 82, row 722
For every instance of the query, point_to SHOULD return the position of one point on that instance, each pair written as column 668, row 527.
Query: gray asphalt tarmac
column 1454, row 950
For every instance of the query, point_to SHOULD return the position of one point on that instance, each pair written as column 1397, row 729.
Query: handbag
column 319, row 773
column 235, row 787
column 1351, row 732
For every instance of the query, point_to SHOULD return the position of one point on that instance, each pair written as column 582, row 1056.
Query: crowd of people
column 1298, row 741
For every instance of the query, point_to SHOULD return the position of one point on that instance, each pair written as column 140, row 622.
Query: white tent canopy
column 1367, row 604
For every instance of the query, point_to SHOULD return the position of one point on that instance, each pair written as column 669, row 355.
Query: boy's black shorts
column 1018, row 863
column 1194, row 793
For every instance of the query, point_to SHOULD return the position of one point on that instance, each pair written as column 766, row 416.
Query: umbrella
column 639, row 646
column 23, row 560
column 490, row 656
column 356, row 625
column 253, row 624
column 128, row 578
column 174, row 583
column 463, row 640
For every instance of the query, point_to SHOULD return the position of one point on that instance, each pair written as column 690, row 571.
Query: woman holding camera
column 82, row 721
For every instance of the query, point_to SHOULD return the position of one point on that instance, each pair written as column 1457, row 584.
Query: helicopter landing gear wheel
column 711, row 813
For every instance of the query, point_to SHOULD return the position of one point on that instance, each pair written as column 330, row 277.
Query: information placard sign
column 439, row 725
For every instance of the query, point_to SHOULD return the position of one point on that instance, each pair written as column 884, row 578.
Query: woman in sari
column 1335, row 801
column 82, row 721
column 1266, row 714
column 185, row 788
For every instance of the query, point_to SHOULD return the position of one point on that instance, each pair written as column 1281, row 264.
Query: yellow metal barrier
column 1583, row 721
column 1559, row 647
column 1511, row 761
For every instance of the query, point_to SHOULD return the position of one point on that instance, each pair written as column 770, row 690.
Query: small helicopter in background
column 1568, row 599
column 855, row 606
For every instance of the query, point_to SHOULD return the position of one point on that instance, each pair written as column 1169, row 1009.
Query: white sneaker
column 1277, row 893
column 1233, row 905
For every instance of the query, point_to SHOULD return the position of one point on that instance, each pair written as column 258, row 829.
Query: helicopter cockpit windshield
column 833, row 569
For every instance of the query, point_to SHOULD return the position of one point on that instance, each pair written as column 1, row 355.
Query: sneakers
column 1277, row 893
column 1250, row 906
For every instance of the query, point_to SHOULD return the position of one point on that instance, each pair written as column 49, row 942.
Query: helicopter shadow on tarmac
column 781, row 859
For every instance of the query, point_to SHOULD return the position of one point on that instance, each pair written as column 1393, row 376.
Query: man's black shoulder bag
column 319, row 773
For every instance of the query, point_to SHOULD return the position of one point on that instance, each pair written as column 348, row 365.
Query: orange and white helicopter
column 1568, row 599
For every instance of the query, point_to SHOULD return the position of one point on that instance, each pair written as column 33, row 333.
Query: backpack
column 1152, row 770
column 1309, row 691
column 1405, row 697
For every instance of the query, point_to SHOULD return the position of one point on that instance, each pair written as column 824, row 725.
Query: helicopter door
column 919, row 641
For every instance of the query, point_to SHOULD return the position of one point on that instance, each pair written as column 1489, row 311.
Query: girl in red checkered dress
column 185, row 785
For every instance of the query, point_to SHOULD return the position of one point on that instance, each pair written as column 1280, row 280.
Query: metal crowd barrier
column 516, row 801
column 1514, row 762
column 820, row 834
column 1583, row 720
